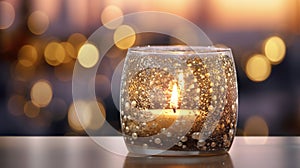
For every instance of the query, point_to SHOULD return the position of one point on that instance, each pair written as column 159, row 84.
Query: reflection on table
column 178, row 162
column 73, row 152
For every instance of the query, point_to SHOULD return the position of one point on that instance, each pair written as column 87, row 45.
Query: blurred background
column 40, row 39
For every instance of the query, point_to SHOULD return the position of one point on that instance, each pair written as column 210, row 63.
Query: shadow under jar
column 178, row 100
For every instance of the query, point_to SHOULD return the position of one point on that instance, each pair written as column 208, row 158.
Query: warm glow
column 76, row 40
column 15, row 104
column 248, row 14
column 110, row 13
column 23, row 73
column 38, row 22
column 78, row 13
column 51, row 7
column 7, row 15
column 124, row 37
column 27, row 55
column 275, row 49
column 54, row 53
column 258, row 68
column 96, row 120
column 86, row 116
column 256, row 125
column 70, row 52
column 174, row 97
column 31, row 110
column 41, row 93
column 73, row 119
column 88, row 55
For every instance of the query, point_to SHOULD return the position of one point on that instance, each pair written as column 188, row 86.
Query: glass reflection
column 223, row 161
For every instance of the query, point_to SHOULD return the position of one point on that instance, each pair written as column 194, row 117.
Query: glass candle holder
column 178, row 100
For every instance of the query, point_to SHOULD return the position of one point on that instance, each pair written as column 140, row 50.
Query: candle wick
column 174, row 110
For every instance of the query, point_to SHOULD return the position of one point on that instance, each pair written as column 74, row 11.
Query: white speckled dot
column 157, row 141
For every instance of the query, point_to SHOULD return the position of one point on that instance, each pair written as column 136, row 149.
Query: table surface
column 73, row 152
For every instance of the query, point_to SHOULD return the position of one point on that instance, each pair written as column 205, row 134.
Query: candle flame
column 174, row 97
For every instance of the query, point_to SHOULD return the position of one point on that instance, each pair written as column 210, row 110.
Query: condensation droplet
column 157, row 141
column 134, row 135
column 133, row 104
column 145, row 146
column 127, row 106
column 183, row 139
column 201, row 143
column 211, row 108
column 231, row 132
column 196, row 135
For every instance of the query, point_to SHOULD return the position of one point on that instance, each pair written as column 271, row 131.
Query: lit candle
column 174, row 98
column 164, row 118
column 182, row 102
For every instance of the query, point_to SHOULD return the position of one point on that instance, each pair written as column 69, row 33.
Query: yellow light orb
column 73, row 118
column 70, row 52
column 28, row 55
column 76, row 40
column 96, row 118
column 54, row 53
column 86, row 116
column 38, row 22
column 7, row 15
column 110, row 13
column 88, row 55
column 256, row 125
column 31, row 110
column 275, row 49
column 258, row 68
column 23, row 73
column 124, row 37
column 15, row 104
column 41, row 93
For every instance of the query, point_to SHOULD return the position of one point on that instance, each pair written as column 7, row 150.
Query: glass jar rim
column 177, row 49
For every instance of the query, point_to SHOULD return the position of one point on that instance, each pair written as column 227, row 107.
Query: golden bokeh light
column 70, row 52
column 124, row 37
column 256, row 126
column 110, row 13
column 15, row 105
column 54, row 53
column 73, row 119
column 275, row 49
column 7, row 15
column 31, row 110
column 41, row 93
column 22, row 72
column 96, row 117
column 38, row 22
column 258, row 68
column 28, row 55
column 88, row 55
column 77, row 40
column 86, row 116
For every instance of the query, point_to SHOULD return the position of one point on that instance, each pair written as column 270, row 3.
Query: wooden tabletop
column 73, row 152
